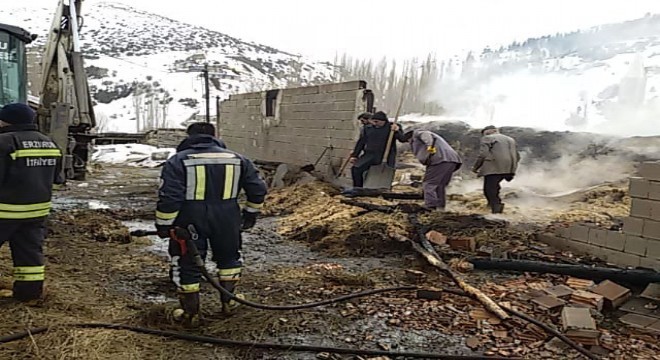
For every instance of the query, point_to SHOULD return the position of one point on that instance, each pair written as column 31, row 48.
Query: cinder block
column 649, row 263
column 635, row 245
column 345, row 95
column 655, row 209
column 301, row 91
column 641, row 208
column 651, row 229
column 553, row 240
column 345, row 86
column 650, row 171
column 639, row 187
column 622, row 259
column 597, row 237
column 653, row 249
column 615, row 240
column 345, row 106
column 654, row 190
column 580, row 233
column 564, row 232
column 633, row 226
column 581, row 247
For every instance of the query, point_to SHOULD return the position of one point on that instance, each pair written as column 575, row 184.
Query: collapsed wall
column 638, row 243
column 295, row 126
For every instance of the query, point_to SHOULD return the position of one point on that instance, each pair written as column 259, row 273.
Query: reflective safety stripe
column 252, row 207
column 189, row 288
column 163, row 218
column 195, row 162
column 237, row 179
column 35, row 153
column 166, row 216
column 200, row 186
column 25, row 207
column 24, row 214
column 29, row 277
column 29, row 273
column 233, row 274
column 229, row 181
column 29, row 269
column 190, row 183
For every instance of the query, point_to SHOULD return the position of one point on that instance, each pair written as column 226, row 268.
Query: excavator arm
column 65, row 109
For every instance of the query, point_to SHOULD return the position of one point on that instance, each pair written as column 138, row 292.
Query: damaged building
column 297, row 126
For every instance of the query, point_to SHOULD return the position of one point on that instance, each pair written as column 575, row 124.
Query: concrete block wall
column 638, row 244
column 306, row 120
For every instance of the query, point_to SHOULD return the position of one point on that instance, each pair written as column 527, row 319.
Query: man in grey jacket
column 441, row 161
column 497, row 161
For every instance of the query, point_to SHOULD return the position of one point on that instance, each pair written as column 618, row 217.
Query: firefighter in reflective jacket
column 30, row 164
column 199, row 191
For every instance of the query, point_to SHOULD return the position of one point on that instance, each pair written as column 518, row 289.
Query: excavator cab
column 13, row 64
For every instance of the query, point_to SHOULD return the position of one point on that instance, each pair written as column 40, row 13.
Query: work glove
column 163, row 231
column 249, row 219
column 431, row 150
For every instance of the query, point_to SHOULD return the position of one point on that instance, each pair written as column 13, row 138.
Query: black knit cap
column 17, row 114
column 379, row 116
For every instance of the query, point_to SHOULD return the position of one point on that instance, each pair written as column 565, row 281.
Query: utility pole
column 207, row 95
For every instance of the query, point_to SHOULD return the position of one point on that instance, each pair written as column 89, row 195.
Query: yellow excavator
column 64, row 106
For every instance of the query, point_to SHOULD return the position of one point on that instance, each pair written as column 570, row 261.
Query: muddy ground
column 309, row 248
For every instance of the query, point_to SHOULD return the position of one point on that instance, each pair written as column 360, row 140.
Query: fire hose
column 293, row 347
column 194, row 253
column 251, row 344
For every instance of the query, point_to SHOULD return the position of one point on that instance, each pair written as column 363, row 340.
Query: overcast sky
column 396, row 28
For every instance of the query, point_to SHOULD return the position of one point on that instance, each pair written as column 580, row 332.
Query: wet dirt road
column 276, row 271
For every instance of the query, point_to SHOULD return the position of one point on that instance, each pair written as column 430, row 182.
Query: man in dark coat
column 370, row 147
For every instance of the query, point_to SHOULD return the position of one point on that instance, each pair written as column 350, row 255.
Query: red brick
column 633, row 226
column 641, row 208
column 650, row 171
column 615, row 240
column 639, row 188
column 651, row 229
column 580, row 233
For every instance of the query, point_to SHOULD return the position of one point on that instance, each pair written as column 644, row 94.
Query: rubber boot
column 498, row 208
column 229, row 305
column 28, row 291
column 190, row 306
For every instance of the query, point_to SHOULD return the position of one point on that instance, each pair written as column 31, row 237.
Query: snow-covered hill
column 147, row 68
column 604, row 79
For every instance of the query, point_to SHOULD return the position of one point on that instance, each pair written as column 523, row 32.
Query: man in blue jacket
column 199, row 192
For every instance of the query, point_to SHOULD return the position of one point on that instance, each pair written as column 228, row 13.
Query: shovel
column 312, row 167
column 381, row 176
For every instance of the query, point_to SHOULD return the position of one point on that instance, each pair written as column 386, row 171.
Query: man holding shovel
column 370, row 148
column 441, row 161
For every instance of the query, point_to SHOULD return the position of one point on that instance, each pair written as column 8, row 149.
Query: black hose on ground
column 255, row 345
column 197, row 259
